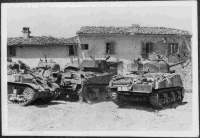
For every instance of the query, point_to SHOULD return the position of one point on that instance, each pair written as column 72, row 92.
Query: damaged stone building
column 31, row 49
column 120, row 43
column 134, row 42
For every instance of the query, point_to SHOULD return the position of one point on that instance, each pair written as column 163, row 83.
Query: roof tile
column 131, row 30
column 43, row 40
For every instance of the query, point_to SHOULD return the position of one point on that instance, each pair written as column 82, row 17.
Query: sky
column 65, row 19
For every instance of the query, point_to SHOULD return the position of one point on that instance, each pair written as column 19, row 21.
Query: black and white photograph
column 100, row 69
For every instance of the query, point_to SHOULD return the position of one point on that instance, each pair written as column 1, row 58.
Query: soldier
column 83, row 91
column 140, row 65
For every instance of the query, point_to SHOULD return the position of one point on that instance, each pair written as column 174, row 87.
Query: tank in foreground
column 150, row 81
column 25, row 86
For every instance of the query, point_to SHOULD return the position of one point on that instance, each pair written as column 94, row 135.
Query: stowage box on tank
column 149, row 80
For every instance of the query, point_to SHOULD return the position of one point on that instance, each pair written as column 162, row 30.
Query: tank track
column 162, row 98
column 27, row 96
column 117, row 99
column 94, row 93
column 55, row 94
column 72, row 95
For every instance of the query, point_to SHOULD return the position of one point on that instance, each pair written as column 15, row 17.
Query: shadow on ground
column 42, row 104
column 146, row 106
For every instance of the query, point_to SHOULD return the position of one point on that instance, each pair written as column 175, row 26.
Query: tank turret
column 48, row 65
column 152, row 66
column 95, row 65
column 71, row 67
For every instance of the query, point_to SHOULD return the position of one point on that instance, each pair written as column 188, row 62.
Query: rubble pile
column 43, row 40
column 131, row 30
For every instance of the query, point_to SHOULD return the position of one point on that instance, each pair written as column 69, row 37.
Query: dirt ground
column 103, row 116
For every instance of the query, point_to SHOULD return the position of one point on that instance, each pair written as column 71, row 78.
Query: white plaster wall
column 31, row 55
column 128, row 48
column 40, row 51
column 124, row 48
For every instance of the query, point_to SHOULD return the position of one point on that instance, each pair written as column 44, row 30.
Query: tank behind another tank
column 95, row 76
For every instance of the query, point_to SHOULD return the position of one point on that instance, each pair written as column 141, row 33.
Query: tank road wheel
column 172, row 97
column 86, row 94
column 167, row 98
column 73, row 97
column 180, row 95
column 76, row 95
column 62, row 95
column 117, row 99
column 163, row 99
column 10, row 100
column 53, row 96
column 47, row 100
column 27, row 97
column 56, row 93
column 157, row 100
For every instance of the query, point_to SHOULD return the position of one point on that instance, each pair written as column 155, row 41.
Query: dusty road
column 67, row 116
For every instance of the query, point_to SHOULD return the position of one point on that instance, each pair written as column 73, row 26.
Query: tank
column 151, row 81
column 70, row 82
column 26, row 86
column 95, row 77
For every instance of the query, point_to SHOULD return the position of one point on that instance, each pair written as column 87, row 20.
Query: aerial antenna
column 45, row 58
column 92, row 58
column 94, row 51
column 107, row 57
column 164, row 55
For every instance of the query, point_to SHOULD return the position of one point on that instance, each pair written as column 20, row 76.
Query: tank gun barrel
column 176, row 64
column 27, row 68
column 22, row 64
